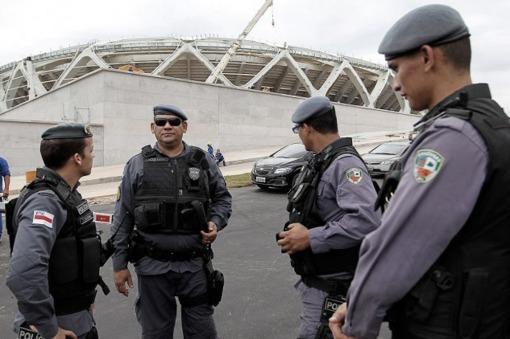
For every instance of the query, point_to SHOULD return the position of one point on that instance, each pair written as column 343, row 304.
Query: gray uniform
column 348, row 208
column 161, row 281
column 426, row 212
column 28, row 268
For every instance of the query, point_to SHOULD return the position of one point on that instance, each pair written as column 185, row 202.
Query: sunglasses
column 296, row 128
column 162, row 122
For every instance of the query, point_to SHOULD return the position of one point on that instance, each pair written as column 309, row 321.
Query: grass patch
column 239, row 180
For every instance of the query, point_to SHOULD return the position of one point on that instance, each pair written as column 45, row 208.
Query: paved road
column 259, row 300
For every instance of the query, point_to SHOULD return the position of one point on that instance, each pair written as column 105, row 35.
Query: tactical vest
column 75, row 258
column 170, row 192
column 466, row 293
column 303, row 208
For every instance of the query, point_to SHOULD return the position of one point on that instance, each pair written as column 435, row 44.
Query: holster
column 215, row 283
column 329, row 306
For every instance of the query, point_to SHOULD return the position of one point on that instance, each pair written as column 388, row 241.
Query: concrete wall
column 20, row 140
column 231, row 119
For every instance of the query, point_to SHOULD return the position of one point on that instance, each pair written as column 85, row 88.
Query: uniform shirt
column 4, row 171
column 221, row 202
column 345, row 199
column 431, row 204
column 28, row 268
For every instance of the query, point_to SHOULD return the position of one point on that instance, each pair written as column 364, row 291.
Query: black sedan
column 278, row 170
column 380, row 159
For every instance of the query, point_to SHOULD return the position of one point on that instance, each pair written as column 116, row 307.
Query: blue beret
column 427, row 25
column 170, row 109
column 67, row 131
column 311, row 108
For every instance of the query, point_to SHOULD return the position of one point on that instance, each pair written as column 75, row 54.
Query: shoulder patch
column 43, row 218
column 427, row 165
column 354, row 175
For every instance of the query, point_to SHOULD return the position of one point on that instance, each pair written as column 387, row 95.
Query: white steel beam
column 358, row 84
column 36, row 88
column 264, row 70
column 382, row 80
column 333, row 76
column 300, row 74
column 188, row 49
column 77, row 61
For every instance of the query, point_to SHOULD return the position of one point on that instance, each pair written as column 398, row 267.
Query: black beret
column 68, row 130
column 427, row 25
column 311, row 108
column 170, row 109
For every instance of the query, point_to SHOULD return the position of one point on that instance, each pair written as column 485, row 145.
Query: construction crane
column 237, row 43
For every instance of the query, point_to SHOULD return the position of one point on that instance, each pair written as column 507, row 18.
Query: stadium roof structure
column 255, row 65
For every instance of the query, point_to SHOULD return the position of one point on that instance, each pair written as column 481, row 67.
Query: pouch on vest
column 215, row 283
column 91, row 248
column 65, row 253
column 148, row 215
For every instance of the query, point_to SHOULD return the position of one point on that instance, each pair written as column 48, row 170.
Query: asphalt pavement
column 259, row 299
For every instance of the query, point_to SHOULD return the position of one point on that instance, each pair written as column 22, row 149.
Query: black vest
column 75, row 258
column 170, row 192
column 303, row 208
column 466, row 293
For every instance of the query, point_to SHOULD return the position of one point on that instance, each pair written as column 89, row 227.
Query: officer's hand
column 5, row 193
column 121, row 278
column 294, row 240
column 209, row 237
column 65, row 334
column 336, row 322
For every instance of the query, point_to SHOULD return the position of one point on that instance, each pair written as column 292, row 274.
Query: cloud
column 352, row 28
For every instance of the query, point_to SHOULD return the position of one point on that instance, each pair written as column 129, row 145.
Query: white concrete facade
column 119, row 106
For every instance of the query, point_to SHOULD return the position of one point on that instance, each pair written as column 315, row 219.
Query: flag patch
column 43, row 218
column 354, row 175
column 427, row 165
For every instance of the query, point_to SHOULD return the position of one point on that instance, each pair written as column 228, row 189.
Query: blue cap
column 67, row 131
column 170, row 109
column 311, row 108
column 432, row 25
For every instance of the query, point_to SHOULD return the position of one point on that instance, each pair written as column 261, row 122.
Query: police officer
column 441, row 255
column 173, row 200
column 331, row 210
column 54, row 268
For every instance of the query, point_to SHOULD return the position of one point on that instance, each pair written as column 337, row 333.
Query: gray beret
column 427, row 25
column 170, row 109
column 311, row 108
column 67, row 131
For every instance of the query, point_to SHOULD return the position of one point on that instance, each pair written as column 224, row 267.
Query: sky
column 352, row 28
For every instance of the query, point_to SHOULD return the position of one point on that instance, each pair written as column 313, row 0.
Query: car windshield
column 291, row 151
column 393, row 149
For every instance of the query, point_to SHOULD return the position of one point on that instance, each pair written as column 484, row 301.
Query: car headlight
column 387, row 162
column 283, row 170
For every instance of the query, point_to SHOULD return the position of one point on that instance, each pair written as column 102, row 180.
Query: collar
column 458, row 98
column 184, row 151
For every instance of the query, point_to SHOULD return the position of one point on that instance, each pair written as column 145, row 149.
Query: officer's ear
column 153, row 127
column 428, row 56
column 77, row 159
column 184, row 126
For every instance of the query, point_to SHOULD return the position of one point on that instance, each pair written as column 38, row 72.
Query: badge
column 43, row 218
column 354, row 175
column 427, row 165
column 25, row 333
column 194, row 173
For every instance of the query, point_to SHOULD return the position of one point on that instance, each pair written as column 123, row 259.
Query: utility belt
column 307, row 263
column 330, row 286
column 139, row 248
column 168, row 217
